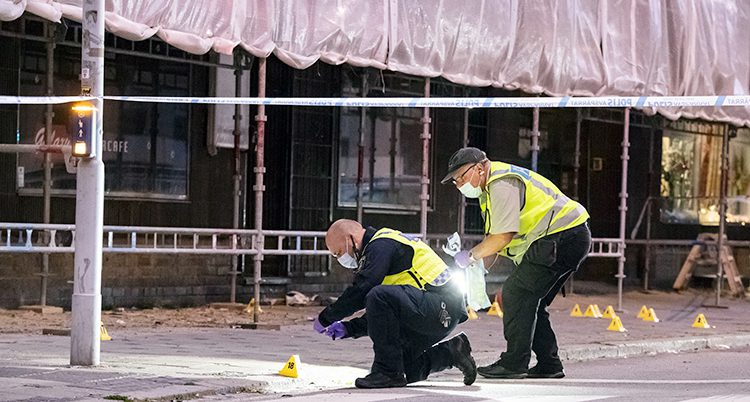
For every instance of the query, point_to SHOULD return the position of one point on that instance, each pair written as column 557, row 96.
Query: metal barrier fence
column 56, row 238
column 303, row 249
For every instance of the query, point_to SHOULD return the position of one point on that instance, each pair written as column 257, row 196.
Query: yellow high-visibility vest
column 426, row 266
column 546, row 209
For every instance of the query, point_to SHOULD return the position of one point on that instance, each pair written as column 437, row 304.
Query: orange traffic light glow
column 79, row 148
column 83, row 107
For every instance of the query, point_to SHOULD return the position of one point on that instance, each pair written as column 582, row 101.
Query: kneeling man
column 410, row 305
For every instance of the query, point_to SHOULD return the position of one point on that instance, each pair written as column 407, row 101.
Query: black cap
column 462, row 157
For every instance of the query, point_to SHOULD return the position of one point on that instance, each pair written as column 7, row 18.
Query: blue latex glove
column 463, row 259
column 337, row 330
column 318, row 327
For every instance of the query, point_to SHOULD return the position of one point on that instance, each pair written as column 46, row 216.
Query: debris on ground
column 295, row 298
column 19, row 321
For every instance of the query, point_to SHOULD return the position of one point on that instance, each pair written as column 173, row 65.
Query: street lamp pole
column 86, row 308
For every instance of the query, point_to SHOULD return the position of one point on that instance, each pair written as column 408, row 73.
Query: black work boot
column 461, row 352
column 380, row 380
column 546, row 372
column 495, row 370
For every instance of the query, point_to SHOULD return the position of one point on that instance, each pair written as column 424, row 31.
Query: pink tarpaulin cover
column 554, row 47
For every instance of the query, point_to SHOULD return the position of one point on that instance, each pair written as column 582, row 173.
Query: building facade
column 169, row 165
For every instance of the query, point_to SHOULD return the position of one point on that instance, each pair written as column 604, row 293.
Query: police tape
column 491, row 102
column 41, row 100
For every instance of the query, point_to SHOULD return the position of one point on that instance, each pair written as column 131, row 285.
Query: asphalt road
column 702, row 376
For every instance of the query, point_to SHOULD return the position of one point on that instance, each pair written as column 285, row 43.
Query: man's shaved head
column 342, row 232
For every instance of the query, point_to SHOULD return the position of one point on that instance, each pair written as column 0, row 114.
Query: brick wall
column 127, row 280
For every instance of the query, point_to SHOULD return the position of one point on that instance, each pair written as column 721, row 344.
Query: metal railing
column 57, row 238
column 602, row 247
column 60, row 238
column 610, row 248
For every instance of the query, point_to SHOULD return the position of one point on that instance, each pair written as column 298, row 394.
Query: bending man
column 410, row 305
column 545, row 233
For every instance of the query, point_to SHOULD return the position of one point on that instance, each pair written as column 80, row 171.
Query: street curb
column 200, row 389
column 261, row 385
column 641, row 348
column 605, row 350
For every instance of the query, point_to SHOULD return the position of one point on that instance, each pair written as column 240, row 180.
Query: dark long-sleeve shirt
column 380, row 258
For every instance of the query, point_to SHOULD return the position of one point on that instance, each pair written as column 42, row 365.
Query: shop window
column 392, row 159
column 145, row 146
column 738, row 189
column 691, row 176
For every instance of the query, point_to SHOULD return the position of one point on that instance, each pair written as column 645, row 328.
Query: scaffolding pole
column 47, row 189
column 462, row 199
column 623, row 204
column 724, row 166
column 425, row 196
column 361, row 149
column 535, row 139
column 577, row 156
column 237, row 176
column 258, row 188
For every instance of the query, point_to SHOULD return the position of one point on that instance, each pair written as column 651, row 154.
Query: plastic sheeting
column 561, row 48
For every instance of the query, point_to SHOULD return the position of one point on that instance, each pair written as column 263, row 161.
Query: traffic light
column 82, row 129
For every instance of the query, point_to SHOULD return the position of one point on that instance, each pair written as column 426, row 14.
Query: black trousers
column 405, row 324
column 530, row 289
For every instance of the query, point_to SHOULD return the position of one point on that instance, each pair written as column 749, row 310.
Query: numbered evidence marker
column 700, row 322
column 651, row 316
column 103, row 334
column 616, row 325
column 593, row 311
column 495, row 310
column 576, row 312
column 291, row 367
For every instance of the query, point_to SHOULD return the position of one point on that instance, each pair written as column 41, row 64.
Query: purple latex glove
column 318, row 327
column 337, row 330
column 463, row 259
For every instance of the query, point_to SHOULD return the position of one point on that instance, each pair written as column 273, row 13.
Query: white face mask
column 470, row 191
column 347, row 261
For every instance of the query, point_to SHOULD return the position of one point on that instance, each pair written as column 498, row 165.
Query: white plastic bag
column 473, row 280
column 476, row 295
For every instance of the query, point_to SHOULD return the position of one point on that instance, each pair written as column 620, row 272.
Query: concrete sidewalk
column 185, row 363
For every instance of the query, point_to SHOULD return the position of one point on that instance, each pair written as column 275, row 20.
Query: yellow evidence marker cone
column 291, row 367
column 616, row 325
column 644, row 312
column 609, row 312
column 591, row 312
column 472, row 314
column 495, row 310
column 598, row 312
column 700, row 322
column 576, row 312
column 103, row 334
column 651, row 316
column 251, row 307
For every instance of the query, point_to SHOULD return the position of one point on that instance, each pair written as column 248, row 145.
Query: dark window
column 392, row 158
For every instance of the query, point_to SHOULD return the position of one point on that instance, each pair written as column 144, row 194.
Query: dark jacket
column 379, row 259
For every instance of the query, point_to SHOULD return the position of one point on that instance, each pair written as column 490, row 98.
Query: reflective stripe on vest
column 426, row 265
column 546, row 209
